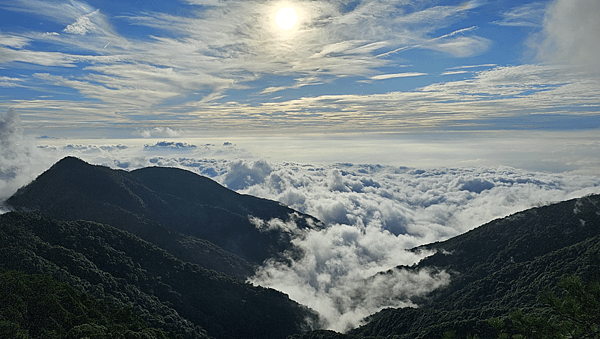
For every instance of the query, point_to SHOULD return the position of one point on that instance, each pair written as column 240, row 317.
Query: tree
column 574, row 314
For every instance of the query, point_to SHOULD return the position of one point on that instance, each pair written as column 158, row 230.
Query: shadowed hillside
column 124, row 271
column 177, row 210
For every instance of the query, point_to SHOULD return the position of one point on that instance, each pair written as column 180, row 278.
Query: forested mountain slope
column 39, row 306
column 180, row 211
column 123, row 271
column 498, row 267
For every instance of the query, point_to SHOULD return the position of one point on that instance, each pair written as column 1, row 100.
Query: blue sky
column 127, row 69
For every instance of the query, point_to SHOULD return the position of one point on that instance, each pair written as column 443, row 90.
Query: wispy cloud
column 397, row 75
column 225, row 47
column 455, row 72
column 187, row 74
column 9, row 82
column 527, row 15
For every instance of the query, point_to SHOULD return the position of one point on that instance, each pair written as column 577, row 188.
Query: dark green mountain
column 498, row 267
column 126, row 274
column 179, row 211
column 38, row 306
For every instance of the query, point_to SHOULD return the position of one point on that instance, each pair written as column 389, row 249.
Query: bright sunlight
column 286, row 18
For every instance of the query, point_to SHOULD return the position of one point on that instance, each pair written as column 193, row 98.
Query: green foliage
column 38, row 306
column 574, row 314
column 167, row 293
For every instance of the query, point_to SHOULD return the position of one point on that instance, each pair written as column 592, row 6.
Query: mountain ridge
column 183, row 212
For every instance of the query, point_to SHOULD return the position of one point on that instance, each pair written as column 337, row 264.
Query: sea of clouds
column 372, row 213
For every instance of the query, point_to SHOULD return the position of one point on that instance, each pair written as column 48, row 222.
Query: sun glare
column 286, row 18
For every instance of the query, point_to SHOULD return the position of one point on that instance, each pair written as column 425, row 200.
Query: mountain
column 191, row 216
column 124, row 273
column 165, row 246
column 501, row 266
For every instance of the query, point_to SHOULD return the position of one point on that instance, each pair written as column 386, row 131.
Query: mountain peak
column 181, row 201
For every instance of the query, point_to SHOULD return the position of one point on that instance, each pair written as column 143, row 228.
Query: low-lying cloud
column 338, row 274
column 372, row 213
column 20, row 161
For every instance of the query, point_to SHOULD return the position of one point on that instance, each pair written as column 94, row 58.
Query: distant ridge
column 180, row 211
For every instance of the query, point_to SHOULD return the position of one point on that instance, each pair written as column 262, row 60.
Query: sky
column 433, row 73
column 397, row 123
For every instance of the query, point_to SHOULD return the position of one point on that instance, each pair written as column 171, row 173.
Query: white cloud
column 242, row 175
column 9, row 82
column 337, row 275
column 13, row 41
column 397, row 75
column 226, row 47
column 527, row 15
column 463, row 46
column 170, row 147
column 82, row 26
column 570, row 34
column 158, row 132
column 455, row 72
column 20, row 161
column 373, row 213
column 385, row 210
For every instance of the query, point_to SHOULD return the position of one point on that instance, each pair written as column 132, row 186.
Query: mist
column 339, row 273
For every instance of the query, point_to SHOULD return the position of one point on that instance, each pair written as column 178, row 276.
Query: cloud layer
column 373, row 214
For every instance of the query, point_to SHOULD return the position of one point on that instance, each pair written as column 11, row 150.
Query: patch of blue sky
column 540, row 122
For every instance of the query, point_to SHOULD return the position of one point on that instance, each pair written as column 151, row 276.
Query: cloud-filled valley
column 373, row 213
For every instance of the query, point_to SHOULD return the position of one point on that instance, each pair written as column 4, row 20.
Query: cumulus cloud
column 158, row 132
column 20, row 161
column 170, row 146
column 82, row 26
column 374, row 213
column 339, row 275
column 570, row 34
column 241, row 175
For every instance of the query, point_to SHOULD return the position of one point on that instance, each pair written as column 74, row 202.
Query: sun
column 286, row 18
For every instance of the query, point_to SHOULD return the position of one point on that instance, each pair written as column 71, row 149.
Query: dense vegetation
column 38, row 306
column 121, row 269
